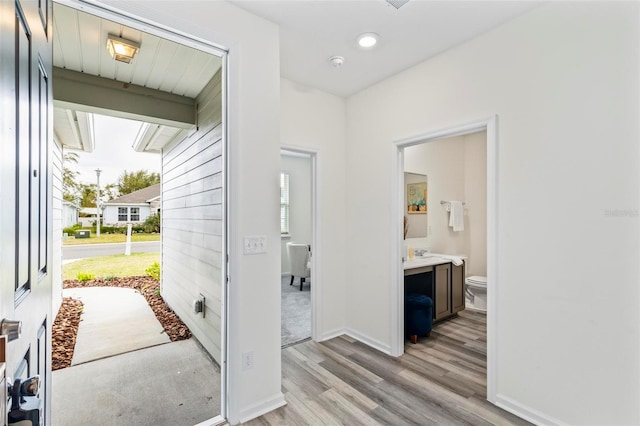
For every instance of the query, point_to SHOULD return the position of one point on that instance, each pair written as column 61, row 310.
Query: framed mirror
column 416, row 208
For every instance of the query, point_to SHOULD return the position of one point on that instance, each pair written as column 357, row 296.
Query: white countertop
column 430, row 259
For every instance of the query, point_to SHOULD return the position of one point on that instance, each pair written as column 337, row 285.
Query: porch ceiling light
column 121, row 49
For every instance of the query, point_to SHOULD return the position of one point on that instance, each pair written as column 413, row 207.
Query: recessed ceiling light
column 368, row 40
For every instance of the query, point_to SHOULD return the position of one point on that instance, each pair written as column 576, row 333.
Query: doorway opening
column 439, row 204
column 175, row 87
column 300, row 250
column 296, row 246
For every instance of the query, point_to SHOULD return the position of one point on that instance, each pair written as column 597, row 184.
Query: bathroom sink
column 431, row 259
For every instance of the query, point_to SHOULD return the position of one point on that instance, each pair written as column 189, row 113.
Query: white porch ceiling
column 163, row 65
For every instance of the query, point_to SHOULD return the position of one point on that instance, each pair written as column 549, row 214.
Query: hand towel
column 457, row 261
column 456, row 215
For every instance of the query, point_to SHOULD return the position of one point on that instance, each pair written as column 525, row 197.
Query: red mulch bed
column 65, row 330
column 65, row 327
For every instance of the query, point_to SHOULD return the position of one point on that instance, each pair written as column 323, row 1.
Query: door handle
column 11, row 328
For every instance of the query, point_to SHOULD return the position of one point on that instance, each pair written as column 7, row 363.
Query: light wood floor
column 441, row 380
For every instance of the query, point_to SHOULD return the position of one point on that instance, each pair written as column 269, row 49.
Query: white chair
column 299, row 260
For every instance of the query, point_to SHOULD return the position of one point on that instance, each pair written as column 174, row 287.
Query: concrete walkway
column 114, row 321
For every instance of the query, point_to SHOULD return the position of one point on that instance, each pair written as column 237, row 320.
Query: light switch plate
column 255, row 244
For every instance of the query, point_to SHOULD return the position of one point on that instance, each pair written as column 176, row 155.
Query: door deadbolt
column 11, row 328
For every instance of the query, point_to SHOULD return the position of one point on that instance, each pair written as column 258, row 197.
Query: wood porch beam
column 89, row 93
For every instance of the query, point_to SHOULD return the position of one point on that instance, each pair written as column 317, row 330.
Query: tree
column 152, row 224
column 109, row 192
column 129, row 182
column 88, row 194
column 70, row 186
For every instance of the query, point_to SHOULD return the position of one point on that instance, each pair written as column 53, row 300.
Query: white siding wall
column 69, row 215
column 192, row 222
column 56, row 264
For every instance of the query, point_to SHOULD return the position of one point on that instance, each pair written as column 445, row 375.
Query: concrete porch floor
column 173, row 383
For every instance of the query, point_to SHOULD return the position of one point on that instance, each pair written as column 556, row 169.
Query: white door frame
column 397, row 213
column 111, row 13
column 316, row 243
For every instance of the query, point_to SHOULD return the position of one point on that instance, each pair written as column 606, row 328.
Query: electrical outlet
column 255, row 244
column 247, row 360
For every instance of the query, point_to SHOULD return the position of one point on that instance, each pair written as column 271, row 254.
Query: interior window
column 284, row 203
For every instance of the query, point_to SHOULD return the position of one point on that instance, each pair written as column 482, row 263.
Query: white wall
column 299, row 170
column 564, row 81
column 254, row 150
column 316, row 121
column 456, row 169
column 475, row 197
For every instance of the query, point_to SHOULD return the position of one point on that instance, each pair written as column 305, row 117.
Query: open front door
column 25, row 189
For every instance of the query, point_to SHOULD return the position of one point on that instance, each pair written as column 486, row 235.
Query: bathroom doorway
column 438, row 231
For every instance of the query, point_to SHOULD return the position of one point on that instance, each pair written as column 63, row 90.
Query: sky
column 113, row 153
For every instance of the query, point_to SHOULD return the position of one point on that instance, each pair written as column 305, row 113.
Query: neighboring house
column 88, row 216
column 70, row 214
column 135, row 207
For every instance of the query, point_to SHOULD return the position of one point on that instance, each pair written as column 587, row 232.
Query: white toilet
column 476, row 290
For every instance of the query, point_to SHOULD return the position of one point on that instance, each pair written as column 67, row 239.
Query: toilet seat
column 476, row 292
column 476, row 281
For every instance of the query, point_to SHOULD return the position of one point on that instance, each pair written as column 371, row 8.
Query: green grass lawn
column 110, row 238
column 117, row 265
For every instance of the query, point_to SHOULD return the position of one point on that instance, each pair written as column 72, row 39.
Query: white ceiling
column 311, row 31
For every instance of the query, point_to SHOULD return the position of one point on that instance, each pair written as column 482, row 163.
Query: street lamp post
column 98, row 203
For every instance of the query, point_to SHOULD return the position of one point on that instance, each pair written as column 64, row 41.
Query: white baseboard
column 375, row 344
column 262, row 407
column 331, row 334
column 217, row 420
column 531, row 415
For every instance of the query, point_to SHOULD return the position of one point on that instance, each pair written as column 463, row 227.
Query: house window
column 122, row 214
column 135, row 214
column 284, row 203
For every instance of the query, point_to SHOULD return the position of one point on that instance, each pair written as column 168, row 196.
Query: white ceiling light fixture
column 121, row 49
column 368, row 40
column 336, row 61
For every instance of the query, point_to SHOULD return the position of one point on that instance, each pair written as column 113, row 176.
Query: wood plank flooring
column 439, row 381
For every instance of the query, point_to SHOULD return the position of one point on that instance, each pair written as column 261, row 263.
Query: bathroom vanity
column 438, row 278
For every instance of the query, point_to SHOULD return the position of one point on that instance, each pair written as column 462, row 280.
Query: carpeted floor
column 296, row 311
